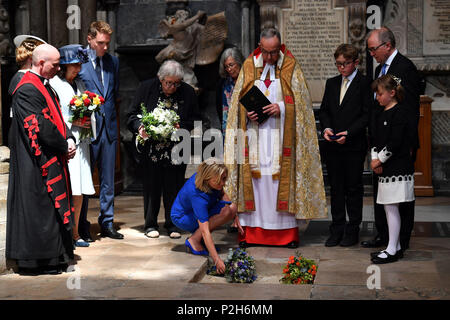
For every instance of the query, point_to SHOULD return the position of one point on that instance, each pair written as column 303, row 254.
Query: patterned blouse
column 160, row 152
column 228, row 87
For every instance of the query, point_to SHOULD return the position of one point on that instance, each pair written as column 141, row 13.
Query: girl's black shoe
column 389, row 258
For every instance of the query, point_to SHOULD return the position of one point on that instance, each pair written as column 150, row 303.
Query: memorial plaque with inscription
column 436, row 34
column 312, row 30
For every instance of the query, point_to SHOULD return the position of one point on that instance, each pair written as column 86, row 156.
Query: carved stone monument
column 312, row 30
column 436, row 36
column 197, row 40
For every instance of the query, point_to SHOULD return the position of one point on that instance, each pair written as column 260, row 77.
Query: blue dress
column 192, row 205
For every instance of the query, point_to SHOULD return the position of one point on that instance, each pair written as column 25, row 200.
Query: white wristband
column 374, row 153
column 384, row 155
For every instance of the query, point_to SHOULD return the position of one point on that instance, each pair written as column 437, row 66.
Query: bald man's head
column 45, row 61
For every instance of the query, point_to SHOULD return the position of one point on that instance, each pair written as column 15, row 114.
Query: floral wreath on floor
column 299, row 270
column 239, row 267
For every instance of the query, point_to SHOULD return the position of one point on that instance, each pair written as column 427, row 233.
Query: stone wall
column 4, row 172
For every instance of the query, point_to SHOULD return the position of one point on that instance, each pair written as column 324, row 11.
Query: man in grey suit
column 101, row 75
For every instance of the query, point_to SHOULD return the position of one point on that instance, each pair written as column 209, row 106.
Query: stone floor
column 142, row 268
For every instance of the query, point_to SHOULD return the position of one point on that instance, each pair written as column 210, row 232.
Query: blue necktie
column 383, row 70
column 98, row 70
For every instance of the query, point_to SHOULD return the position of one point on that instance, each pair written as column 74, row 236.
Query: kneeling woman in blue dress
column 202, row 206
column 392, row 161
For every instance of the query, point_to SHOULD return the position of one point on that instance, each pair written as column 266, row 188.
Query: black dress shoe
column 292, row 245
column 389, row 258
column 349, row 241
column 399, row 254
column 374, row 243
column 332, row 241
column 87, row 239
column 110, row 232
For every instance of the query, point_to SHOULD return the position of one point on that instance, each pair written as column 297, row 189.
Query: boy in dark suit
column 344, row 116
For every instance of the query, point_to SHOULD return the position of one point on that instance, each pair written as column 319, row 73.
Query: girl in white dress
column 391, row 160
column 66, row 85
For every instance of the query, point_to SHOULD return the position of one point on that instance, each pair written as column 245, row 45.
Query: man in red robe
column 39, row 220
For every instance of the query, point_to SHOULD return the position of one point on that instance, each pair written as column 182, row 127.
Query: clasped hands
column 82, row 123
column 328, row 132
column 71, row 149
column 271, row 109
column 71, row 146
column 143, row 134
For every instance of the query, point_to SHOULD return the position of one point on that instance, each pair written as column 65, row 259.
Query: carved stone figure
column 357, row 32
column 196, row 40
column 5, row 46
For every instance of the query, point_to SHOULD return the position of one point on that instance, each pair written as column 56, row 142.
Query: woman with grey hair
column 229, row 68
column 161, row 175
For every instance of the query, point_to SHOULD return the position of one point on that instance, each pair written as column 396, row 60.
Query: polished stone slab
column 141, row 268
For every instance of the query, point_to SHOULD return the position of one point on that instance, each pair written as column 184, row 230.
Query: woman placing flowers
column 160, row 173
column 201, row 206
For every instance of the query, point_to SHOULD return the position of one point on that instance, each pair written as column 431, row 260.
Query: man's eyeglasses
column 343, row 64
column 172, row 84
column 376, row 48
column 229, row 66
column 271, row 53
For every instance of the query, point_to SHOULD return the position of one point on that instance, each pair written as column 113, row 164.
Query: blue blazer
column 109, row 91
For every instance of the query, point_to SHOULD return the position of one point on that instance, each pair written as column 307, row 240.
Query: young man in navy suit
column 381, row 45
column 101, row 75
column 344, row 115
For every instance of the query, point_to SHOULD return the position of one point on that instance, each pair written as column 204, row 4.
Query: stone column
column 22, row 17
column 57, row 19
column 245, row 40
column 88, row 15
column 111, row 9
column 4, row 176
column 37, row 11
column 74, row 31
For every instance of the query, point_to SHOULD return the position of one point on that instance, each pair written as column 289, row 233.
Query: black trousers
column 157, row 180
column 83, row 223
column 345, row 170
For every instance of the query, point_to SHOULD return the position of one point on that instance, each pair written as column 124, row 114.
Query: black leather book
column 255, row 100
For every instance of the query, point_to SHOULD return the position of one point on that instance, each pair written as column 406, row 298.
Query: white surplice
column 265, row 188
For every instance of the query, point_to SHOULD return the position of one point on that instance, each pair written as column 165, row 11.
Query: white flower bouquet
column 160, row 125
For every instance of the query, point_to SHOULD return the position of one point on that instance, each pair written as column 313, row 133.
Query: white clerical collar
column 268, row 68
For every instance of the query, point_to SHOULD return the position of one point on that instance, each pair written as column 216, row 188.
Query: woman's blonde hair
column 211, row 168
column 25, row 50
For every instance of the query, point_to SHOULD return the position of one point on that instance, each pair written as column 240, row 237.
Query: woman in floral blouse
column 161, row 175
